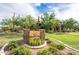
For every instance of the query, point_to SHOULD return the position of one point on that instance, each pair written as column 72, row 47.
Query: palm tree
column 26, row 22
column 10, row 23
column 49, row 22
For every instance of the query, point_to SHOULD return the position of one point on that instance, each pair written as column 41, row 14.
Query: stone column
column 42, row 34
column 26, row 35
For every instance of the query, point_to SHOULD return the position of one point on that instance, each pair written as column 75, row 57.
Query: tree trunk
column 59, row 28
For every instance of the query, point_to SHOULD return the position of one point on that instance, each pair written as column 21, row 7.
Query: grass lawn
column 9, row 37
column 71, row 40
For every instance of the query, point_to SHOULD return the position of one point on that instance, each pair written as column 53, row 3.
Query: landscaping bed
column 17, row 37
column 52, row 47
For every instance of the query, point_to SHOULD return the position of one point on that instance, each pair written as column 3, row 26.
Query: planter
column 36, row 47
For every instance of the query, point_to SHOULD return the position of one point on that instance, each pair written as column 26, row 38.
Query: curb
column 36, row 47
column 2, row 49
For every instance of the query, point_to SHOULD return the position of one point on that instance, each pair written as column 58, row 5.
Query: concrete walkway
column 2, row 49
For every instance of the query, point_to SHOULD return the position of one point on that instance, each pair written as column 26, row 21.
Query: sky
column 62, row 10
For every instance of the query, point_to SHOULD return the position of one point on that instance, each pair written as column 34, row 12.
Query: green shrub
column 43, row 52
column 52, row 49
column 46, row 39
column 60, row 46
column 35, row 42
column 12, row 45
column 0, row 46
column 51, row 43
column 22, row 50
column 71, row 53
column 5, row 28
column 57, row 53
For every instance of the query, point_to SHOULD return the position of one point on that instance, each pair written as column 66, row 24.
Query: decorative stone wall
column 26, row 34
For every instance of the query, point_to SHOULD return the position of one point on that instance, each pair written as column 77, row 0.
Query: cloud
column 72, row 11
column 37, row 4
column 63, row 11
column 7, row 10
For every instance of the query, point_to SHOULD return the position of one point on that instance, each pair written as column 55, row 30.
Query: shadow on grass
column 58, row 33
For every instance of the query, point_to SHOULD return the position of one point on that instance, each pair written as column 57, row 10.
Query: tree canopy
column 47, row 21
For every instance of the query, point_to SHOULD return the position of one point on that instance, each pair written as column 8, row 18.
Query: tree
column 76, row 27
column 6, row 24
column 69, row 24
column 49, row 22
column 27, row 22
column 56, row 25
column 46, row 22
